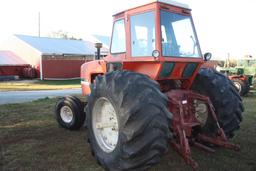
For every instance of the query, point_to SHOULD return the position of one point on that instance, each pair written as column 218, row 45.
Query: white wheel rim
column 201, row 112
column 238, row 86
column 66, row 114
column 105, row 124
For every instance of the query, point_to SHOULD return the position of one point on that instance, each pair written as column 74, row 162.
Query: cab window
column 178, row 36
column 143, row 34
column 118, row 37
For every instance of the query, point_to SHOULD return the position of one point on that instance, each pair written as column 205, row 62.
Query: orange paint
column 148, row 65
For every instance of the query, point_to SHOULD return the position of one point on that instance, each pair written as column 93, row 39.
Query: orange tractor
column 150, row 92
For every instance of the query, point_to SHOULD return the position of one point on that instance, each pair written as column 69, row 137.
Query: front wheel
column 69, row 112
column 128, row 121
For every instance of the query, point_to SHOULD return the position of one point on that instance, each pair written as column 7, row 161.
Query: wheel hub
column 201, row 112
column 66, row 114
column 238, row 86
column 105, row 124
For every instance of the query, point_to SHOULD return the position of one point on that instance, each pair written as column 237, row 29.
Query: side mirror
column 207, row 56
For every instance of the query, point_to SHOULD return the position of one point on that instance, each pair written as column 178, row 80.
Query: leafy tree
column 63, row 35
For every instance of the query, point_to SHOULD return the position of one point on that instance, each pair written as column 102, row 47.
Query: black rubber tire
column 143, row 120
column 77, row 109
column 245, row 87
column 224, row 97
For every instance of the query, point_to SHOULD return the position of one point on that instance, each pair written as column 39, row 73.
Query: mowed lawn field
column 30, row 139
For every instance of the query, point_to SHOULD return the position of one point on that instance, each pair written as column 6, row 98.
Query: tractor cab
column 157, row 39
column 157, row 31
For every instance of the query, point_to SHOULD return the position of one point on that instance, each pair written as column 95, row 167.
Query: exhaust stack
column 98, row 47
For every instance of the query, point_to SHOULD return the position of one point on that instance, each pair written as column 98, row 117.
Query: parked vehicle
column 240, row 80
column 242, row 75
column 248, row 65
column 150, row 92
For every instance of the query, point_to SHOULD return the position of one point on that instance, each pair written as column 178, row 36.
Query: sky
column 223, row 26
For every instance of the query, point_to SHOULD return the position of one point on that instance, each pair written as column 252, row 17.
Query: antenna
column 39, row 24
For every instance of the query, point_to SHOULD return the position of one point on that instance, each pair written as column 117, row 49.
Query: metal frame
column 181, row 104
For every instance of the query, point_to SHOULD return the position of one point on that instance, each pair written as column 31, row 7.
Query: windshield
column 178, row 36
column 143, row 34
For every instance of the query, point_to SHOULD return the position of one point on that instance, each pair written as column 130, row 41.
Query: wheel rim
column 105, row 124
column 238, row 86
column 66, row 114
column 201, row 112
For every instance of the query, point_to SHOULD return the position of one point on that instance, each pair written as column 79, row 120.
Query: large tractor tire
column 69, row 112
column 128, row 121
column 225, row 99
column 243, row 87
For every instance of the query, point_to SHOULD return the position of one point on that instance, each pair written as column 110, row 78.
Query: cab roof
column 145, row 2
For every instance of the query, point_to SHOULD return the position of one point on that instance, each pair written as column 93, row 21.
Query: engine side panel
column 89, row 71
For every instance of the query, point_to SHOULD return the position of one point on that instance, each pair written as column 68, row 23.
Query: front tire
column 225, row 99
column 128, row 121
column 69, row 112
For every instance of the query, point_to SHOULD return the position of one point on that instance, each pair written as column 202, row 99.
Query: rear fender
column 89, row 71
column 240, row 77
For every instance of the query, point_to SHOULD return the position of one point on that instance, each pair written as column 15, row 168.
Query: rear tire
column 142, row 118
column 224, row 97
column 69, row 112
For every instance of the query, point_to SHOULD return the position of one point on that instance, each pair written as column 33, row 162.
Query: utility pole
column 39, row 24
column 228, row 59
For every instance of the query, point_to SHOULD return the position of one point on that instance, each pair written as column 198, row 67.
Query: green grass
column 60, row 82
column 39, row 85
column 30, row 139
